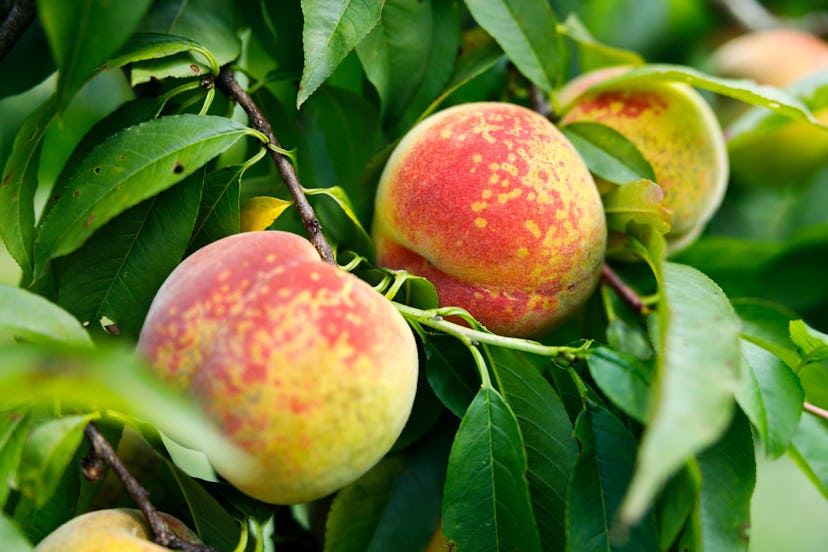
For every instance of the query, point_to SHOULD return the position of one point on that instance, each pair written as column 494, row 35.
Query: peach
column 304, row 366
column 114, row 530
column 493, row 205
column 675, row 130
column 777, row 57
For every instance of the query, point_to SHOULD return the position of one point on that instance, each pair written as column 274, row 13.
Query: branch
column 20, row 15
column 815, row 410
column 232, row 89
column 627, row 294
column 103, row 453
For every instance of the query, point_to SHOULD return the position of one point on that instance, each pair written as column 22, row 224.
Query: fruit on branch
column 303, row 365
column 793, row 150
column 115, row 530
column 674, row 129
column 493, row 205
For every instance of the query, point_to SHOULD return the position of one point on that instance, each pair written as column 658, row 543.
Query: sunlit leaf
column 812, row 343
column 259, row 212
column 486, row 505
column 144, row 46
column 608, row 153
column 38, row 320
column 640, row 202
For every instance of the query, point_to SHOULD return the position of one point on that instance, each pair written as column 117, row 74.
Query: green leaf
column 144, row 46
column 526, row 32
column 813, row 344
column 331, row 30
column 608, row 153
column 486, row 503
column 210, row 23
column 47, row 453
column 676, row 503
column 699, row 370
column 132, row 255
column 810, row 450
column 17, row 189
column 547, row 437
column 338, row 196
column 624, row 379
column 38, row 320
column 601, row 475
column 82, row 35
column 574, row 29
column 740, row 89
column 398, row 501
column 409, row 56
column 12, row 537
column 728, row 476
column 767, row 324
column 451, row 372
column 772, row 398
column 218, row 214
column 640, row 202
column 109, row 379
column 14, row 427
column 29, row 61
column 131, row 166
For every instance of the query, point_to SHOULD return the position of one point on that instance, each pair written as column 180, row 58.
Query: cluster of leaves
column 622, row 430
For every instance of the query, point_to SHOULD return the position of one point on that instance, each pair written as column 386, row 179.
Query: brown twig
column 232, row 89
column 103, row 453
column 627, row 294
column 18, row 18
column 815, row 410
column 538, row 101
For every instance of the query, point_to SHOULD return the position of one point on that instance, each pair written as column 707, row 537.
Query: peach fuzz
column 675, row 130
column 302, row 365
column 114, row 530
column 493, row 205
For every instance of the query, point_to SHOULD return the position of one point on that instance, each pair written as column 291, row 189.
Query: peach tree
column 134, row 134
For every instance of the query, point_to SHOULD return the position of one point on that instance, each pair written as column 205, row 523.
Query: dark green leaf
column 728, row 475
column 32, row 317
column 547, row 436
column 129, row 167
column 608, row 153
column 14, row 427
column 278, row 27
column 29, row 61
column 409, row 56
column 331, row 30
column 12, row 537
column 218, row 213
column 526, row 32
column 624, row 379
column 132, row 255
column 47, row 453
column 677, row 501
column 451, row 372
column 699, row 370
column 602, row 472
column 767, row 324
column 17, row 189
column 486, row 505
column 772, row 398
column 77, row 38
column 810, row 450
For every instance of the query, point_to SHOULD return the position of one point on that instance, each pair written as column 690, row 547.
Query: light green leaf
column 574, row 29
column 772, row 397
column 132, row 165
column 47, row 453
column 343, row 203
column 767, row 324
column 14, row 428
column 624, row 379
column 608, row 153
column 602, row 473
column 812, row 344
column 699, row 371
column 17, row 189
column 38, row 320
column 810, row 450
column 144, row 46
column 12, row 537
column 526, row 32
column 331, row 30
column 486, row 503
column 640, row 202
column 83, row 34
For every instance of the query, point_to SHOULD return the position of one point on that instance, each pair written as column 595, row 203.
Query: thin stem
column 627, row 294
column 815, row 410
column 232, row 89
column 20, row 15
column 103, row 453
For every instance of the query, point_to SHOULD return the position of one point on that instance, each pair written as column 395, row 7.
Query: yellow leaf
column 259, row 212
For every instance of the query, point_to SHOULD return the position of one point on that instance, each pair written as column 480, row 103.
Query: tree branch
column 232, row 89
column 102, row 453
column 18, row 18
column 815, row 410
column 627, row 294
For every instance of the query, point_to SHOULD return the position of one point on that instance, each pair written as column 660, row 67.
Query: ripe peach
column 115, row 530
column 778, row 57
column 304, row 366
column 675, row 130
column 493, row 205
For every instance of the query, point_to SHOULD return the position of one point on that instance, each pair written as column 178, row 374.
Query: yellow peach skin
column 115, row 530
column 303, row 365
column 492, row 204
column 675, row 130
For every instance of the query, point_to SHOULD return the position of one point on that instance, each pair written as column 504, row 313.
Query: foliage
column 622, row 430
